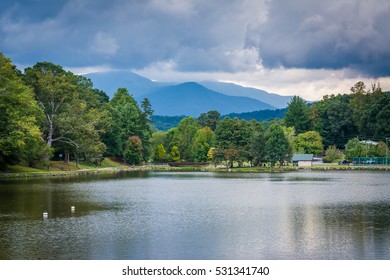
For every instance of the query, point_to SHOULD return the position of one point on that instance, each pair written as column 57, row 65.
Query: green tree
column 157, row 138
column 20, row 136
column 276, row 146
column 160, row 153
column 146, row 122
column 309, row 143
column 297, row 115
column 257, row 148
column 375, row 122
column 203, row 141
column 332, row 154
column 128, row 120
column 381, row 149
column 184, row 136
column 209, row 119
column 358, row 104
column 70, row 107
column 175, row 154
column 289, row 133
column 332, row 118
column 133, row 151
column 232, row 138
column 58, row 97
column 354, row 148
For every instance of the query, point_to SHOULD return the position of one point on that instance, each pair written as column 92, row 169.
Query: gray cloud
column 195, row 34
column 199, row 35
column 330, row 34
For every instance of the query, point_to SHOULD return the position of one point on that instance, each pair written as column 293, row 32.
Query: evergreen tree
column 128, row 120
column 297, row 115
column 276, row 146
column 257, row 148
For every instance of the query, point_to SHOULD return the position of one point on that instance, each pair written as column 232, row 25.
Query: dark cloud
column 331, row 34
column 197, row 35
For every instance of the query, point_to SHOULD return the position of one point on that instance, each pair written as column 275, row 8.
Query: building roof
column 301, row 157
column 369, row 142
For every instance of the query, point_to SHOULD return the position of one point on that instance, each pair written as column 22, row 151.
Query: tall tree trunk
column 67, row 157
column 49, row 140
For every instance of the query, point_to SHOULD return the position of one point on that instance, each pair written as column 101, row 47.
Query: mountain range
column 190, row 98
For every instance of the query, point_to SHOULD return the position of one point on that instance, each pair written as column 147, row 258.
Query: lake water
column 196, row 215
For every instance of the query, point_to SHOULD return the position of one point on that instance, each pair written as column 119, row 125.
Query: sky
column 303, row 47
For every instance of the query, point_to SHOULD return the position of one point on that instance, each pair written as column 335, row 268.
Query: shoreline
column 210, row 168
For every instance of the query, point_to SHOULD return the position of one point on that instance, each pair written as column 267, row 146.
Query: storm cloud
column 196, row 35
column 331, row 34
column 245, row 41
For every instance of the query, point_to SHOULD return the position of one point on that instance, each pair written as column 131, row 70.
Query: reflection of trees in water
column 353, row 231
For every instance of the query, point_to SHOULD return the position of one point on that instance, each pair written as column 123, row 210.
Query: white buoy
column 45, row 215
column 72, row 209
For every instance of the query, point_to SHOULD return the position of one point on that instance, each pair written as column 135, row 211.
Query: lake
column 198, row 215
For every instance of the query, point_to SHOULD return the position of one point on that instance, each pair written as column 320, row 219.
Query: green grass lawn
column 22, row 169
column 56, row 166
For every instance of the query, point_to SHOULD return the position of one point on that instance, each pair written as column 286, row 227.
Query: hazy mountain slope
column 275, row 100
column 192, row 99
column 110, row 81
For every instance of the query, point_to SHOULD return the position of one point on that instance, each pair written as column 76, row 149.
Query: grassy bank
column 60, row 168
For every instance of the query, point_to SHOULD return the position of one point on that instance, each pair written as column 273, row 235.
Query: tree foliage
column 133, row 151
column 309, row 143
column 209, row 119
column 174, row 154
column 20, row 136
column 297, row 115
column 332, row 154
column 159, row 154
column 332, row 118
column 73, row 116
column 276, row 146
column 128, row 120
column 204, row 140
column 184, row 137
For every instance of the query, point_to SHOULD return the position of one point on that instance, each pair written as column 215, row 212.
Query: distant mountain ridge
column 192, row 99
column 110, row 81
column 189, row 98
column 275, row 100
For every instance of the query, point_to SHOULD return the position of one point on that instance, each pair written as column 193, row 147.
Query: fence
column 371, row 161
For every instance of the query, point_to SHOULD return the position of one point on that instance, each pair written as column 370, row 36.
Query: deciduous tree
column 309, row 142
column 20, row 136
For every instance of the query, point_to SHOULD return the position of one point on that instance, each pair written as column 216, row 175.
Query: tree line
column 49, row 113
column 332, row 127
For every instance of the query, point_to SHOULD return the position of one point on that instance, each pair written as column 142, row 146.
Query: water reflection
column 163, row 215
